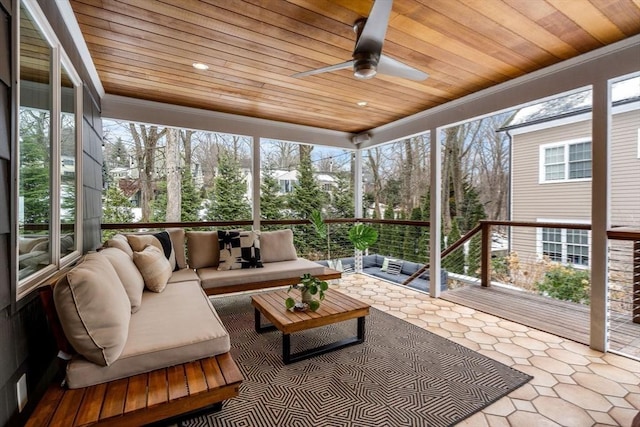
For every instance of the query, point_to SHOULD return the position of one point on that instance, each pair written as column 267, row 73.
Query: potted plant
column 309, row 286
column 360, row 235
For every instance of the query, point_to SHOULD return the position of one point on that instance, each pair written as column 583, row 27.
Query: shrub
column 566, row 283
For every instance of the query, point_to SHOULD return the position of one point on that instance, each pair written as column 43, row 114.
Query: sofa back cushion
column 119, row 241
column 277, row 246
column 154, row 268
column 203, row 249
column 94, row 309
column 128, row 273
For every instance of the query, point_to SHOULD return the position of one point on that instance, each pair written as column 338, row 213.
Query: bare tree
column 146, row 140
column 174, row 193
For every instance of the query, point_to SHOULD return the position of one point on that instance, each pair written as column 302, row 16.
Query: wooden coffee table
column 336, row 307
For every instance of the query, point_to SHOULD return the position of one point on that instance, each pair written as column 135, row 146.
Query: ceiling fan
column 368, row 59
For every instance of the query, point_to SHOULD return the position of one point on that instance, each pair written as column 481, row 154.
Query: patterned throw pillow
column 394, row 267
column 160, row 240
column 239, row 249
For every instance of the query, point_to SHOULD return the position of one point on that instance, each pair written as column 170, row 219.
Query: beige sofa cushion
column 203, row 249
column 128, row 273
column 184, row 275
column 213, row 278
column 154, row 268
column 94, row 309
column 277, row 246
column 174, row 327
column 119, row 241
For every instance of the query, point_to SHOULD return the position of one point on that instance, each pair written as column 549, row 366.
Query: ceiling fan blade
column 392, row 67
column 375, row 29
column 341, row 66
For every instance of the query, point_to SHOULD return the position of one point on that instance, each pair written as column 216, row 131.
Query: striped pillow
column 394, row 267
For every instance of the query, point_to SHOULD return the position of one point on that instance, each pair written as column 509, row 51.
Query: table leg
column 288, row 357
column 257, row 324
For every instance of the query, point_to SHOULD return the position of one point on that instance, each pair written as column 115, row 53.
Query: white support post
column 600, row 206
column 435, row 213
column 357, row 183
column 357, row 203
column 255, row 184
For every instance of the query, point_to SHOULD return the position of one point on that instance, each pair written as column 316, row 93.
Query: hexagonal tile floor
column 572, row 385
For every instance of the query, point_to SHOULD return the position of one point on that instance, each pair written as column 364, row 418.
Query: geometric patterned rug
column 401, row 375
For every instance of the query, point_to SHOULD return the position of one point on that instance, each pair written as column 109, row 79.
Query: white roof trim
column 72, row 25
column 152, row 112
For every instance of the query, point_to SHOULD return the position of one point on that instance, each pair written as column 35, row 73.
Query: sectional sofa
column 140, row 303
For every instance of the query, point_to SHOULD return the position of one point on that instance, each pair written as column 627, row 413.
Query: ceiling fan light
column 365, row 71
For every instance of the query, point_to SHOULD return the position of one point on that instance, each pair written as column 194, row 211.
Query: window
column 48, row 146
column 566, row 161
column 566, row 246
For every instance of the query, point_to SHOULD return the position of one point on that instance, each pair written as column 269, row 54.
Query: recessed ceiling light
column 200, row 66
column 362, row 103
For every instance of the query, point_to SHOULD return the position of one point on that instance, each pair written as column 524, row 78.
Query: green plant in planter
column 308, row 286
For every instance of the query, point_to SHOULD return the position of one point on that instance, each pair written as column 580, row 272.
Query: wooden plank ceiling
column 146, row 48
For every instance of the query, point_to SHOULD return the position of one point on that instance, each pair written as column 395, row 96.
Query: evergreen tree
column 159, row 203
column 191, row 202
column 387, row 232
column 35, row 170
column 306, row 195
column 454, row 262
column 272, row 203
column 412, row 237
column 116, row 207
column 424, row 240
column 473, row 257
column 229, row 199
column 342, row 198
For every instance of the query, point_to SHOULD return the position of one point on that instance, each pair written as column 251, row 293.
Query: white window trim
column 58, row 60
column 565, row 144
column 563, row 240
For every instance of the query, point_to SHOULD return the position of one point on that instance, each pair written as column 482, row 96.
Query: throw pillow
column 154, row 267
column 385, row 264
column 94, row 309
column 395, row 266
column 128, row 273
column 238, row 250
column 203, row 249
column 277, row 246
column 160, row 240
column 119, row 241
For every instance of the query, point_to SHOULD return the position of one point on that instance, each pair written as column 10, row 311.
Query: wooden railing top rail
column 624, row 233
column 573, row 226
column 199, row 224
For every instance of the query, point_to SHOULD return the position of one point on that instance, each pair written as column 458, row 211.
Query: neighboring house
column 551, row 172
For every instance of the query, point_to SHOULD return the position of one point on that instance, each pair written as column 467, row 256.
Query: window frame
column 542, row 177
column 59, row 60
column 564, row 244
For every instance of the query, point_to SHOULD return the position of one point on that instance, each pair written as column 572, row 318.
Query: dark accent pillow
column 238, row 250
column 394, row 267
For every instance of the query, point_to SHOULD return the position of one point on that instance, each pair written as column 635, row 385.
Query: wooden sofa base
column 328, row 274
column 142, row 399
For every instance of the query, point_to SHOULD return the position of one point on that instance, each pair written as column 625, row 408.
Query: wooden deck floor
column 565, row 319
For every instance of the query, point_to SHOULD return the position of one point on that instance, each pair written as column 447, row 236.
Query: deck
column 562, row 318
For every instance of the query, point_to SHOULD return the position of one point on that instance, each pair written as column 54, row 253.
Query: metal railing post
column 485, row 255
column 636, row 282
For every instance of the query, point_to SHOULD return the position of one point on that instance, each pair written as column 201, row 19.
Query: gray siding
column 26, row 343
